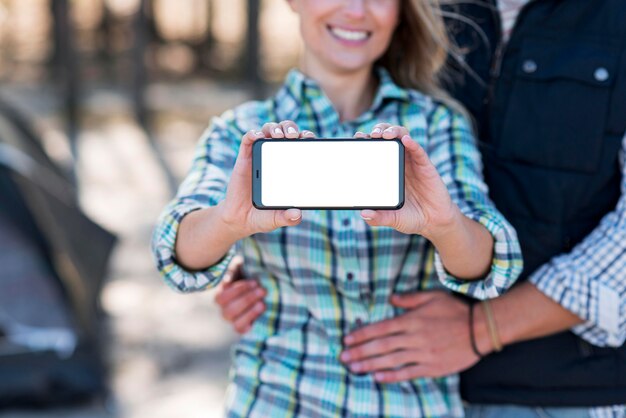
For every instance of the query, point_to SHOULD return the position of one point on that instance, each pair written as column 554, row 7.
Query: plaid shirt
column 333, row 272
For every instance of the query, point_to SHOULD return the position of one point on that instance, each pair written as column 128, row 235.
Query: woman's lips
column 349, row 36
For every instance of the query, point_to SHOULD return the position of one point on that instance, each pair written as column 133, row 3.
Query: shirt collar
column 299, row 89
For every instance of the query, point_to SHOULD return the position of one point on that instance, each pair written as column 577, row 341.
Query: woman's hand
column 236, row 209
column 428, row 209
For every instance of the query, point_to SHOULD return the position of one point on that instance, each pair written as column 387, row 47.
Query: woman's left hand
column 427, row 208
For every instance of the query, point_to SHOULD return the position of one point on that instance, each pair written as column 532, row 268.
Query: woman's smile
column 349, row 37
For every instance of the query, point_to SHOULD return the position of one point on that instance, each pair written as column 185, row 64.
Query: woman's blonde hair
column 418, row 51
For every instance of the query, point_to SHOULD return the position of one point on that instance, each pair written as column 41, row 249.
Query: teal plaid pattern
column 333, row 272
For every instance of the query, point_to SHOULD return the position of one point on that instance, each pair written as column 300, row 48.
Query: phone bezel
column 256, row 181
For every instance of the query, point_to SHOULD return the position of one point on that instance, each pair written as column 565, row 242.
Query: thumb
column 380, row 217
column 288, row 217
column 412, row 300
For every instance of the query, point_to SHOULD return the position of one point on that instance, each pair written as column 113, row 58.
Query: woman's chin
column 351, row 66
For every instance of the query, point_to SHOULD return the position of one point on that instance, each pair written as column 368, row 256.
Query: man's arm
column 584, row 290
column 523, row 313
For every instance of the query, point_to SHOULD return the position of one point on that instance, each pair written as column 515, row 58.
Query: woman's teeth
column 349, row 35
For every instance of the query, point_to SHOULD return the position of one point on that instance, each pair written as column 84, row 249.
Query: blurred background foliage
column 119, row 91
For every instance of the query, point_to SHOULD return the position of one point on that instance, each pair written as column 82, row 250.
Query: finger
column 386, row 361
column 377, row 330
column 272, row 130
column 361, row 135
column 244, row 321
column 393, row 132
column 289, row 217
column 233, row 272
column 232, row 310
column 307, row 134
column 413, row 300
column 416, row 152
column 235, row 290
column 377, row 130
column 375, row 348
column 405, row 373
column 245, row 150
column 380, row 217
column 290, row 129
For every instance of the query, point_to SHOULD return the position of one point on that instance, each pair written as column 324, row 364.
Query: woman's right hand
column 237, row 210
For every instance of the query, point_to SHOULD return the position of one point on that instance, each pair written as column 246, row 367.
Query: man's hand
column 241, row 301
column 431, row 339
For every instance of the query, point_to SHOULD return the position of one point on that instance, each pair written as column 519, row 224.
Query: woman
column 367, row 66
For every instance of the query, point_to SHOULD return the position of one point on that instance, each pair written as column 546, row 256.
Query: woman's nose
column 355, row 9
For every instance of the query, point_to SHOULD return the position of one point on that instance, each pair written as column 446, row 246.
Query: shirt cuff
column 506, row 263
column 174, row 275
column 594, row 302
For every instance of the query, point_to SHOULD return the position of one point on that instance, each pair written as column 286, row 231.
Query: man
column 546, row 83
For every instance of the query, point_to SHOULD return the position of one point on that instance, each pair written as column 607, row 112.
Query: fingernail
column 293, row 217
column 258, row 133
column 379, row 376
column 291, row 130
column 349, row 339
column 356, row 367
column 258, row 307
column 376, row 131
column 278, row 131
column 258, row 292
column 345, row 356
column 389, row 130
column 367, row 214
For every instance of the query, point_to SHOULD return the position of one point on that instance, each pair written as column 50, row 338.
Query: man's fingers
column 233, row 271
column 244, row 321
column 234, row 290
column 413, row 300
column 377, row 330
column 376, row 348
column 361, row 135
column 232, row 310
column 386, row 361
column 307, row 134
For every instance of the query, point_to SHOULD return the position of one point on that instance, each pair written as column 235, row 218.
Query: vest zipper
column 496, row 65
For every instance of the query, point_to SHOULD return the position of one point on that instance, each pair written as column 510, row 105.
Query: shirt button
column 350, row 276
column 529, row 66
column 346, row 222
column 601, row 74
column 365, row 291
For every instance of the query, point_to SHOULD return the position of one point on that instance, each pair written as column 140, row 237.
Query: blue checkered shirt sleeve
column 204, row 186
column 452, row 149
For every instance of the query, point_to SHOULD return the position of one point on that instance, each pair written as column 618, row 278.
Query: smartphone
column 328, row 173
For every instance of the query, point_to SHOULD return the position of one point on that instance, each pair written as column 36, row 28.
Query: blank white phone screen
column 330, row 173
